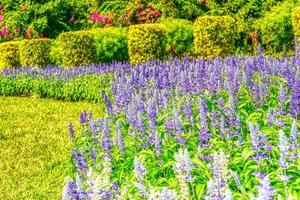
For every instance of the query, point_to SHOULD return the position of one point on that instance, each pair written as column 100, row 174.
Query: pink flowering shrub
column 102, row 20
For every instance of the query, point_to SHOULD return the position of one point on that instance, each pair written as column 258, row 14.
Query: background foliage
column 32, row 19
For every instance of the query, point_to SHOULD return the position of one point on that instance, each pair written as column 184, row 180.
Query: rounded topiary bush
column 179, row 42
column 9, row 55
column 146, row 42
column 111, row 44
column 296, row 21
column 214, row 36
column 35, row 52
column 77, row 48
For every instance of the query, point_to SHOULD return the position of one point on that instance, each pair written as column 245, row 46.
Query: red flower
column 254, row 36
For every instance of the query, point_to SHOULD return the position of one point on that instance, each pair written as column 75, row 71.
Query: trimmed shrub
column 275, row 29
column 146, row 42
column 111, row 44
column 77, row 48
column 9, row 55
column 35, row 52
column 296, row 22
column 180, row 37
column 214, row 36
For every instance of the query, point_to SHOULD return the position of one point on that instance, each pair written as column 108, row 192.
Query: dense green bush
column 179, row 41
column 87, row 87
column 146, row 42
column 296, row 22
column 77, row 48
column 111, row 44
column 275, row 29
column 214, row 36
column 9, row 54
column 35, row 52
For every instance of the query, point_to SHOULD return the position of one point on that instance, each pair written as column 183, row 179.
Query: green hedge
column 146, row 42
column 214, row 36
column 111, row 44
column 180, row 37
column 35, row 52
column 87, row 87
column 296, row 22
column 77, row 48
column 9, row 55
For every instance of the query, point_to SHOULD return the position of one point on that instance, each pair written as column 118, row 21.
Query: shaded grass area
column 34, row 145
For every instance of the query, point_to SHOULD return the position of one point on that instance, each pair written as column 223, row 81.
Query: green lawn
column 34, row 146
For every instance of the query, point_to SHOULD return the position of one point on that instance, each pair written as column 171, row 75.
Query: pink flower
column 4, row 31
column 157, row 14
column 96, row 17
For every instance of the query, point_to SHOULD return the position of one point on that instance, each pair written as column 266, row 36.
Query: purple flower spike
column 71, row 132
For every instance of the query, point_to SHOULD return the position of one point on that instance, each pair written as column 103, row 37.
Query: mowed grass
column 34, row 146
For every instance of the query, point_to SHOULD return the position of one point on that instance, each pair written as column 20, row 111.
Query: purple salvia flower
column 167, row 194
column 115, row 186
column 217, row 186
column 184, row 165
column 106, row 194
column 80, row 160
column 152, row 112
column 94, row 155
column 281, row 97
column 139, row 169
column 105, row 142
column 254, row 133
column 271, row 117
column 295, row 97
column 80, row 191
column 259, row 144
column 71, row 132
column 83, row 117
column 188, row 110
column 120, row 140
column 108, row 104
column 265, row 191
column 294, row 141
column 140, row 172
column 174, row 126
column 70, row 190
column 157, row 143
column 262, row 92
column 106, row 145
column 204, row 133
column 284, row 150
column 141, row 187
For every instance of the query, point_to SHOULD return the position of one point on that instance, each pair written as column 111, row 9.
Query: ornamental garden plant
column 189, row 106
column 217, row 129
